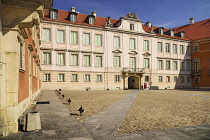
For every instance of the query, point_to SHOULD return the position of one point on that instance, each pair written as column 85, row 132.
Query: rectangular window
column 46, row 58
column 132, row 27
column 160, row 64
column 74, row 78
column 182, row 79
column 98, row 40
column 116, row 42
column 99, row 78
column 196, row 79
column 188, row 79
column 146, row 79
column 60, row 36
column 188, row 67
column 21, row 56
column 98, row 61
column 181, row 49
column 74, row 59
column 174, row 48
column 53, row 14
column 86, row 60
column 175, row 65
column 175, row 78
column 168, row 79
column 168, row 65
column 196, row 48
column 132, row 63
column 117, row 78
column 74, row 37
column 91, row 20
column 73, row 17
column 160, row 79
column 86, row 38
column 61, row 77
column 116, row 61
column 188, row 50
column 167, row 47
column 46, row 34
column 87, row 78
column 146, row 63
column 146, row 45
column 132, row 43
column 182, row 66
column 47, row 77
column 196, row 67
column 60, row 59
column 160, row 47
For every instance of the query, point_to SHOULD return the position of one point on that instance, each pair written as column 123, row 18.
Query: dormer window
column 91, row 20
column 72, row 17
column 132, row 27
column 53, row 13
column 172, row 32
column 182, row 34
column 161, row 30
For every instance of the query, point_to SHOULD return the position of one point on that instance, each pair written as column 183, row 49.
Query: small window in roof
column 53, row 13
column 172, row 32
column 132, row 27
column 182, row 34
column 72, row 17
column 161, row 31
column 91, row 20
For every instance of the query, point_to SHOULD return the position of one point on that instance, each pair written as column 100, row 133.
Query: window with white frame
column 46, row 58
column 47, row 77
column 132, row 27
column 181, row 49
column 168, row 65
column 116, row 42
column 60, row 59
column 53, row 14
column 175, row 65
column 87, row 78
column 86, row 38
column 74, row 37
column 72, row 17
column 46, row 36
column 132, row 43
column 74, row 59
column 174, row 48
column 160, row 47
column 182, row 79
column 146, row 63
column 188, row 50
column 98, row 61
column 99, row 78
column 160, row 78
column 91, row 20
column 74, row 78
column 61, row 77
column 175, row 78
column 195, row 48
column 196, row 66
column 160, row 64
column 146, row 45
column 98, row 40
column 188, row 67
column 167, row 48
column 146, row 79
column 116, row 61
column 86, row 60
column 168, row 79
column 188, row 79
column 117, row 78
column 132, row 63
column 60, row 36
column 182, row 66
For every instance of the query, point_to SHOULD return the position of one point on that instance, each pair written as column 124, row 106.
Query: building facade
column 81, row 51
column 19, row 59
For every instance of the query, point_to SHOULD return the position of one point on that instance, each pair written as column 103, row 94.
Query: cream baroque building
column 81, row 51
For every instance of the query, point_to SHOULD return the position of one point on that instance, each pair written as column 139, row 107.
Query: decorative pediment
column 146, row 54
column 116, row 51
column 98, row 52
column 131, row 15
column 133, row 52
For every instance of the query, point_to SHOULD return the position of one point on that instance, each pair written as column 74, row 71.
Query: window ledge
column 46, row 64
column 86, row 81
column 74, row 81
column 61, row 81
column 46, row 81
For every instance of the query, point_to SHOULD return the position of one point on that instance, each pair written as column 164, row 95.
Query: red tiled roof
column 63, row 17
column 196, row 31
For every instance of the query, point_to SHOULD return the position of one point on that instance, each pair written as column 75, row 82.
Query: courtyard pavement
column 57, row 124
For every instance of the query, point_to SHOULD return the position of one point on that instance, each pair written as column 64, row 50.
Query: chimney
column 191, row 21
column 149, row 24
column 94, row 13
column 73, row 9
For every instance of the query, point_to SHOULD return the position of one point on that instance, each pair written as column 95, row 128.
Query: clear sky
column 163, row 13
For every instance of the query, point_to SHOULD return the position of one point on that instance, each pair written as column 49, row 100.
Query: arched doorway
column 133, row 82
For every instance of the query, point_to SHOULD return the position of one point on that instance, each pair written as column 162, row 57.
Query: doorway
column 133, row 82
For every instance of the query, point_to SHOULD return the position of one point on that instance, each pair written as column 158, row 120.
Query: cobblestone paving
column 91, row 101
column 160, row 110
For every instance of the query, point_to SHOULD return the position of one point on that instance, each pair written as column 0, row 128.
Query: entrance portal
column 133, row 82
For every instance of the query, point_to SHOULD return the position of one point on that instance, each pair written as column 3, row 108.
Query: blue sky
column 164, row 13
